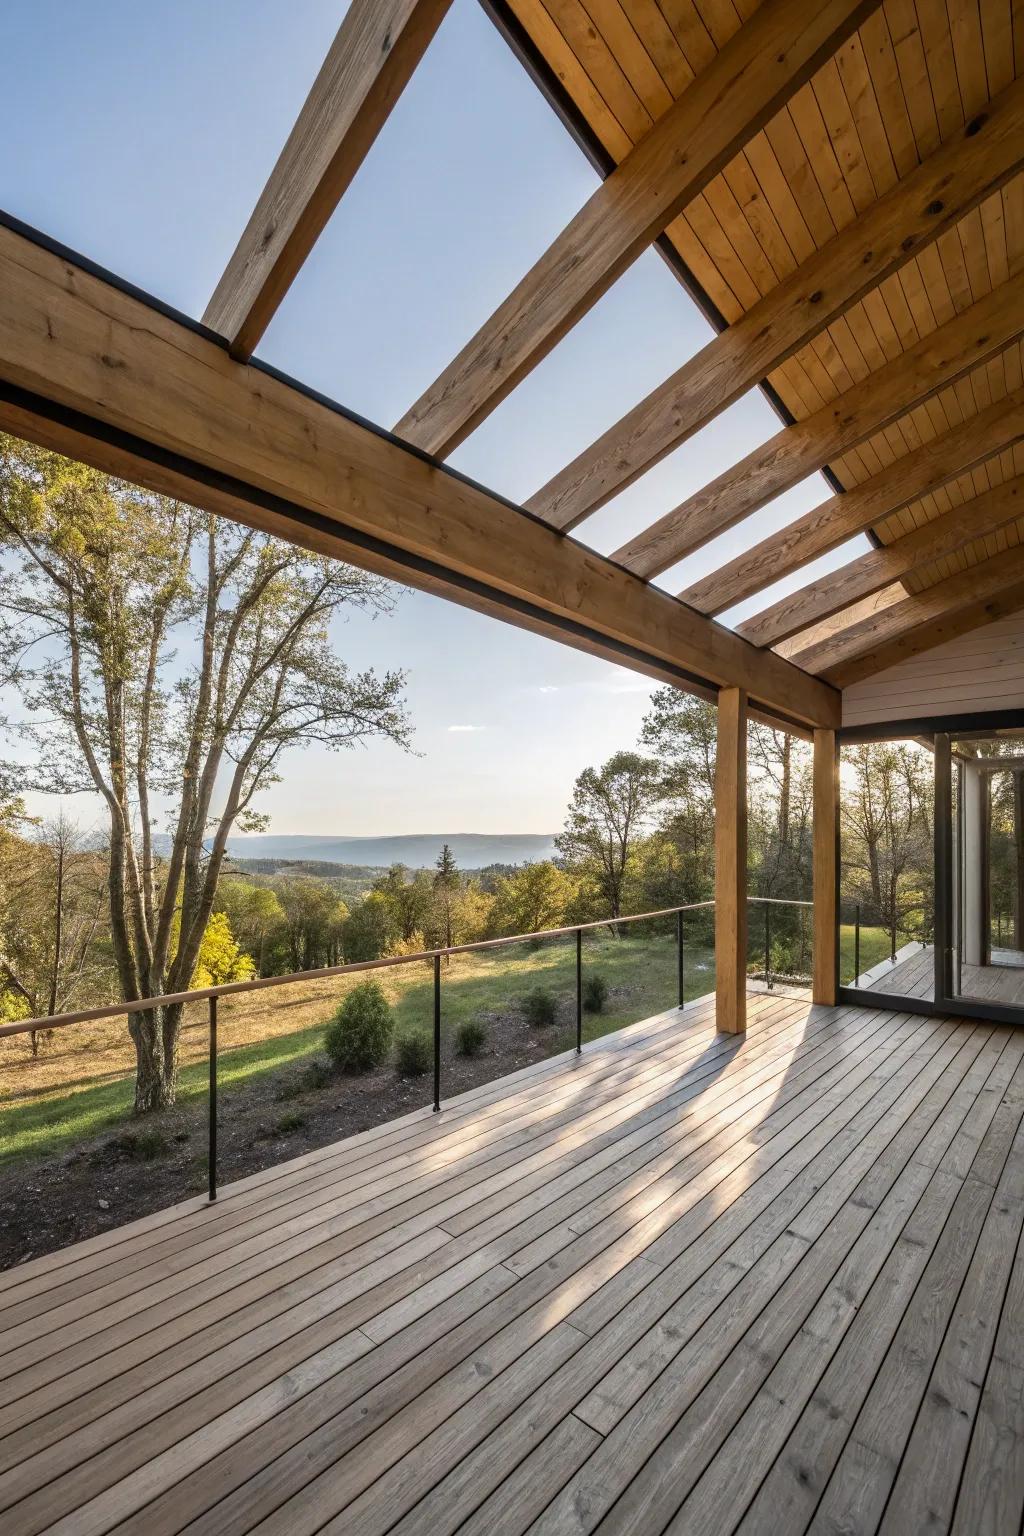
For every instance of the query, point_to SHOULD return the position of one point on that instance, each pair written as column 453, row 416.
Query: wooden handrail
column 258, row 984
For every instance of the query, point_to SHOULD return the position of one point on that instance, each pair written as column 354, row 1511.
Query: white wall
column 983, row 670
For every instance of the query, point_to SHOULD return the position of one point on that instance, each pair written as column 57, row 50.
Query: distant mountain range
column 472, row 850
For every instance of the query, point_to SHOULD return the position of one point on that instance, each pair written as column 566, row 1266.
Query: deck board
column 684, row 1282
column 914, row 976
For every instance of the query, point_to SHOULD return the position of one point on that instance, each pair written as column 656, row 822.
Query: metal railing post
column 680, row 959
column 437, row 1033
column 212, row 1152
column 768, row 945
column 579, row 991
column 856, row 943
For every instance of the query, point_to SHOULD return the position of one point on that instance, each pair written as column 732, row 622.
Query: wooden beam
column 762, row 65
column 839, row 518
column 981, row 582
column 869, row 573
column 825, row 863
column 378, row 46
column 928, row 635
column 978, row 160
column 939, row 359
column 242, row 441
column 731, row 862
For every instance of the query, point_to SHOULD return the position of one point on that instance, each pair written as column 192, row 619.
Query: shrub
column 540, row 1008
column 359, row 1035
column 415, row 1053
column 470, row 1038
column 595, row 994
column 141, row 1146
column 317, row 1074
column 289, row 1123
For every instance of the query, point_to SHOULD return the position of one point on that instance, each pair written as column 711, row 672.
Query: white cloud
column 548, row 688
column 467, row 727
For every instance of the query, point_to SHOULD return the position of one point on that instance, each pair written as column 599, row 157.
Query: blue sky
column 141, row 135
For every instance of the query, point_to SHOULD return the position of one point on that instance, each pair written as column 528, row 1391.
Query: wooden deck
column 688, row 1282
column 915, row 977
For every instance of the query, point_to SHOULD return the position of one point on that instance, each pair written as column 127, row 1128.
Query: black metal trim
column 294, row 512
column 963, row 1008
column 982, row 723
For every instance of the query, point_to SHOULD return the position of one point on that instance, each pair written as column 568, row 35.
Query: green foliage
column 289, row 1123
column 611, row 808
column 414, row 1053
column 317, row 1074
column 141, row 1146
column 359, row 1036
column 370, row 929
column 470, row 1037
column 595, row 993
column 540, row 1007
column 531, row 899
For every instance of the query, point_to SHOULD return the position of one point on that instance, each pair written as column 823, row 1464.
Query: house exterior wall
column 981, row 671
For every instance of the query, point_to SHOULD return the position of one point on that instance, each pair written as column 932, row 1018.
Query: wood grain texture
column 964, row 618
column 825, row 865
column 378, row 46
column 256, row 447
column 958, row 176
column 764, row 63
column 731, row 862
column 665, row 1277
column 912, row 378
column 869, row 573
column 915, row 475
column 967, row 589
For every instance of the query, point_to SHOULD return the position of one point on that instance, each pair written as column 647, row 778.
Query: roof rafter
column 828, row 525
column 378, row 46
column 767, row 60
column 938, row 359
column 933, row 632
column 958, row 176
column 95, row 370
column 910, row 611
column 955, row 529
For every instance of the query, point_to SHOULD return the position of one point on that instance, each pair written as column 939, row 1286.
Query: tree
column 221, row 957
column 887, row 811
column 315, row 919
column 531, row 899
column 610, row 809
column 408, row 899
column 52, row 900
column 101, row 585
column 370, row 931
column 255, row 914
column 446, row 890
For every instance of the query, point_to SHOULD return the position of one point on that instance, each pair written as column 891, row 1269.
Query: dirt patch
column 144, row 1165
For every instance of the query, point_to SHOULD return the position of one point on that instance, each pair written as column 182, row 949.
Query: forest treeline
column 166, row 662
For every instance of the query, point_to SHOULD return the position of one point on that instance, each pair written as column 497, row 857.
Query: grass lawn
column 874, row 946
column 70, row 1094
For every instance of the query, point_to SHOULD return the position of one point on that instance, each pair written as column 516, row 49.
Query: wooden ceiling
column 903, row 86
column 841, row 185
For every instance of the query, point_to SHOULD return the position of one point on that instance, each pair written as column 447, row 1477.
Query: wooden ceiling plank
column 840, row 518
column 831, row 283
column 797, row 451
column 929, row 634
column 376, row 50
column 955, row 529
column 967, row 588
column 753, row 75
column 173, row 408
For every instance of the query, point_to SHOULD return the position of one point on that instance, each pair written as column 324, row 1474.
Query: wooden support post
column 731, row 862
column 825, row 930
column 1018, row 845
